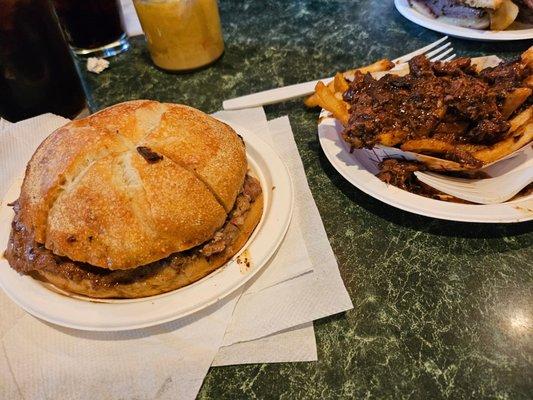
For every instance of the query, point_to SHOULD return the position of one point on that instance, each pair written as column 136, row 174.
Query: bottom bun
column 171, row 273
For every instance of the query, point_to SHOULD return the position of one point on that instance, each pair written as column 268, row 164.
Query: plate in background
column 457, row 31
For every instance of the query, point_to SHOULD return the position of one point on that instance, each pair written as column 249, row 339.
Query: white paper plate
column 452, row 30
column 117, row 315
column 360, row 167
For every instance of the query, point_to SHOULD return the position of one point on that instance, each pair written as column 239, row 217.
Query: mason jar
column 181, row 34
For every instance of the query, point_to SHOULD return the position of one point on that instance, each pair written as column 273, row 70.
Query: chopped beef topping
column 450, row 101
column 401, row 174
column 226, row 235
column 149, row 155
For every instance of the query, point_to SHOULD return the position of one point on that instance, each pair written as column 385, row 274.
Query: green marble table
column 441, row 309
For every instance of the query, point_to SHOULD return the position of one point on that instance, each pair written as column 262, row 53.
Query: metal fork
column 277, row 95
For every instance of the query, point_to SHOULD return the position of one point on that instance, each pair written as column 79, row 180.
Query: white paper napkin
column 323, row 289
column 18, row 145
column 292, row 345
column 291, row 260
column 4, row 124
column 170, row 361
column 309, row 296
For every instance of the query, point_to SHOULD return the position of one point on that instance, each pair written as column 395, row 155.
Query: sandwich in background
column 495, row 15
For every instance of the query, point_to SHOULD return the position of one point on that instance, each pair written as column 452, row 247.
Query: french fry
column 527, row 57
column 311, row 101
column 340, row 84
column 336, row 85
column 521, row 119
column 471, row 147
column 399, row 70
column 503, row 16
column 514, row 100
column 391, row 138
column 378, row 66
column 464, row 158
column 427, row 145
column 520, row 138
column 529, row 80
column 328, row 101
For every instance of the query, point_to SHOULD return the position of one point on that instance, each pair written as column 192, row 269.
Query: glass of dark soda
column 92, row 27
column 37, row 73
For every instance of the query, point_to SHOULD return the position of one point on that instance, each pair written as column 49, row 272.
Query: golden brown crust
column 204, row 145
column 131, row 120
column 92, row 195
column 129, row 212
column 56, row 162
column 167, row 278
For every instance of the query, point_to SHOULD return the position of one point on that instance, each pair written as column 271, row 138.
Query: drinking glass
column 92, row 27
column 37, row 73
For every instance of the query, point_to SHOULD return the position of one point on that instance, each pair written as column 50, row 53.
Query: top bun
column 132, row 184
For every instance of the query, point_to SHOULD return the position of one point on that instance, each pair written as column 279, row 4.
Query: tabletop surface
column 441, row 309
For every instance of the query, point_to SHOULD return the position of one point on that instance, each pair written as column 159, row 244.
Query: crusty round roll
column 132, row 184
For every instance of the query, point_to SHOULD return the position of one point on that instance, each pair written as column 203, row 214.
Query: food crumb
column 525, row 209
column 244, row 261
column 97, row 65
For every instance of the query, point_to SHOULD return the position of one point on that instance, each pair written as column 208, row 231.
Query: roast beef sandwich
column 138, row 199
column 477, row 14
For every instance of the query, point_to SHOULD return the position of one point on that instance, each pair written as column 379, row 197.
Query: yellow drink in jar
column 181, row 34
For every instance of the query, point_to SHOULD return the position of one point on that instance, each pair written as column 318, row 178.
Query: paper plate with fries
column 487, row 20
column 471, row 118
